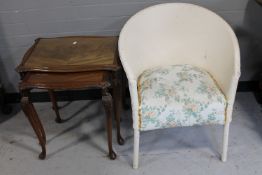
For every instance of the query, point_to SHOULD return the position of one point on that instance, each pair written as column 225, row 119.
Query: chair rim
column 226, row 24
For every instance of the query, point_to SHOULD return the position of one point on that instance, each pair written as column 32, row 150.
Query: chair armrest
column 134, row 102
column 228, row 82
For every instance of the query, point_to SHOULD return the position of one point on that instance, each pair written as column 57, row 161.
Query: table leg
column 55, row 106
column 35, row 122
column 108, row 105
column 124, row 81
column 117, row 95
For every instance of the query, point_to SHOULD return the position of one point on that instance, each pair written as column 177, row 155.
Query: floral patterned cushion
column 179, row 95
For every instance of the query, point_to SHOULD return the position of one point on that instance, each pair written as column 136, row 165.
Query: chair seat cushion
column 179, row 95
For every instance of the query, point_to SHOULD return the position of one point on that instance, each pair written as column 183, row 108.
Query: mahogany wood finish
column 118, row 96
column 55, row 106
column 108, row 105
column 71, row 80
column 72, row 63
column 71, row 54
column 32, row 116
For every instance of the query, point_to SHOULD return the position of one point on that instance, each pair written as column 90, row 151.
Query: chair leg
column 136, row 148
column 225, row 141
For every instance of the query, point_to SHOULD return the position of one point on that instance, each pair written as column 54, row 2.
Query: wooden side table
column 71, row 63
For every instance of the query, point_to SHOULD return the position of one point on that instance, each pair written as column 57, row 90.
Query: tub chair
column 182, row 62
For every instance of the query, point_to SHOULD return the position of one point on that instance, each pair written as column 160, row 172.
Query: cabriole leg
column 55, row 106
column 36, row 124
column 117, row 97
column 108, row 105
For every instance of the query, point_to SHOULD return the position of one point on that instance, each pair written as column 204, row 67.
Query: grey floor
column 79, row 145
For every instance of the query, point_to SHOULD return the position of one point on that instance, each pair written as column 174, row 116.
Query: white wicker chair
column 179, row 34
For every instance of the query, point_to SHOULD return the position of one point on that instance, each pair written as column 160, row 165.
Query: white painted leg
column 136, row 149
column 225, row 141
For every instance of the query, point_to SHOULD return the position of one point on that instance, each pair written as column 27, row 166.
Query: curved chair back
column 179, row 33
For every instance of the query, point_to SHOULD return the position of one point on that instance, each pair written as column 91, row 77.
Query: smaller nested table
column 72, row 63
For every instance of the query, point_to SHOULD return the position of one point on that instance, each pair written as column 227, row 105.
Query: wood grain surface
column 60, row 81
column 71, row 54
